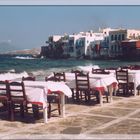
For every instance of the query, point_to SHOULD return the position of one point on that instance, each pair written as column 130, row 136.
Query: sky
column 70, row 2
column 28, row 26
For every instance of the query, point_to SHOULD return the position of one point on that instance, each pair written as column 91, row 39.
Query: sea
column 12, row 67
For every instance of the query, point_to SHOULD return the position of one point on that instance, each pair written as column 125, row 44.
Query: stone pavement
column 119, row 120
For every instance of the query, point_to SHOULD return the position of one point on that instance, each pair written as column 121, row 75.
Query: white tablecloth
column 37, row 90
column 37, row 93
column 133, row 76
column 97, row 81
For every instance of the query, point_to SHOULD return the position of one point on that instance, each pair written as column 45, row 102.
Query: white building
column 90, row 44
column 133, row 34
column 54, row 38
column 86, row 42
column 113, row 38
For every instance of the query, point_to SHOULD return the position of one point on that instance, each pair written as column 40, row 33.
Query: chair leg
column 81, row 95
column 72, row 93
column 12, row 112
column 22, row 110
column 77, row 95
column 35, row 109
column 97, row 96
column 49, row 110
column 88, row 96
column 9, row 110
column 26, row 108
column 59, row 109
column 107, row 98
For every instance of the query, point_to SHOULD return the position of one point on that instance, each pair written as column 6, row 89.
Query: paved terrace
column 82, row 121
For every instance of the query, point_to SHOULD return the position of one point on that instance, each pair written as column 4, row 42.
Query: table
column 100, row 82
column 37, row 91
column 133, row 76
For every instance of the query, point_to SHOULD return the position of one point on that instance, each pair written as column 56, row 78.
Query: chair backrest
column 60, row 76
column 76, row 71
column 122, row 75
column 82, row 81
column 4, row 88
column 17, row 90
column 111, row 68
column 29, row 78
column 125, row 67
column 52, row 78
column 135, row 67
column 99, row 71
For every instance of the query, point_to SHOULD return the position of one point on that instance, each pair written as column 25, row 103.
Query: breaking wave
column 12, row 75
column 24, row 57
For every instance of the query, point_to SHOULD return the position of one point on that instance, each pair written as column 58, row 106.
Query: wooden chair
column 4, row 96
column 72, row 89
column 52, row 78
column 124, row 86
column 60, row 76
column 99, row 71
column 53, row 97
column 17, row 97
column 29, row 78
column 135, row 67
column 111, row 68
column 82, row 86
column 76, row 71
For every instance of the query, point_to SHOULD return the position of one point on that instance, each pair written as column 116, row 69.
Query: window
column 115, row 37
column 112, row 37
column 123, row 37
column 71, row 49
column 119, row 37
column 112, row 48
column 71, row 42
column 119, row 48
column 115, row 49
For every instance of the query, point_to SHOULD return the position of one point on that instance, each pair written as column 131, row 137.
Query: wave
column 6, row 71
column 46, row 72
column 88, row 68
column 42, row 73
column 24, row 57
column 11, row 75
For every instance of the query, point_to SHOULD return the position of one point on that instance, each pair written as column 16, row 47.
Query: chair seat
column 18, row 100
column 2, row 98
column 52, row 98
column 122, row 82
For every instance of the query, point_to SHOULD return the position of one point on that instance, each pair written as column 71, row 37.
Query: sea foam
column 12, row 75
column 24, row 57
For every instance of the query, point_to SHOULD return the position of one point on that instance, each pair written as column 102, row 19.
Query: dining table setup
column 105, row 82
column 37, row 93
column 99, row 80
column 133, row 76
